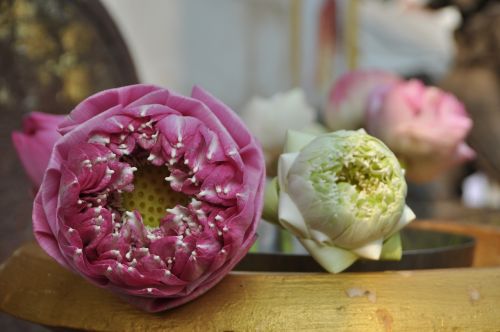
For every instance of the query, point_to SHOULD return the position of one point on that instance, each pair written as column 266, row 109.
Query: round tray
column 423, row 249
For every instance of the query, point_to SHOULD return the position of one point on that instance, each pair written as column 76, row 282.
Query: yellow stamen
column 152, row 195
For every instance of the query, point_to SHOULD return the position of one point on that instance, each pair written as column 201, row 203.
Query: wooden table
column 35, row 288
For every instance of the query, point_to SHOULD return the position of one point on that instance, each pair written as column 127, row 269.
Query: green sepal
column 271, row 202
column 392, row 250
column 286, row 241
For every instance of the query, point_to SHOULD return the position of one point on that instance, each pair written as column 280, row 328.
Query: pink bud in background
column 424, row 126
column 34, row 144
column 346, row 104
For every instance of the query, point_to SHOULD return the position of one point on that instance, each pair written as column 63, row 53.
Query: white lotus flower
column 343, row 195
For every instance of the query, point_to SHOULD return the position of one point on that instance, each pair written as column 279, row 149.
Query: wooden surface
column 487, row 249
column 35, row 288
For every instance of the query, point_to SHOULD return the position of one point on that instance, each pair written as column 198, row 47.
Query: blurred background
column 54, row 53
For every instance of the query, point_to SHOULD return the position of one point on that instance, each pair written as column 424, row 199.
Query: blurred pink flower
column 151, row 194
column 424, row 126
column 34, row 144
column 346, row 104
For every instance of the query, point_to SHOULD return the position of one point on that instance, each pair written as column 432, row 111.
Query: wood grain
column 35, row 288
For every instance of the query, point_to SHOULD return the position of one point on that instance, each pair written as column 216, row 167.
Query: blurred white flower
column 270, row 118
column 478, row 191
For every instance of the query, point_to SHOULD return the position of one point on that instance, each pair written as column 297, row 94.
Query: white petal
column 284, row 164
column 290, row 217
column 296, row 140
column 331, row 258
column 406, row 217
column 371, row 250
column 320, row 237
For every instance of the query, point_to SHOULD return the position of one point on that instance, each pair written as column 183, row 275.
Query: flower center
column 152, row 195
column 364, row 173
column 355, row 172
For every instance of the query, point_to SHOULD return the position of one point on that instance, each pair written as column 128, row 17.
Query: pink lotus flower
column 151, row 194
column 346, row 104
column 424, row 126
column 35, row 142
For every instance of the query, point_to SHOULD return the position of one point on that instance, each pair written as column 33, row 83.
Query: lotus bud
column 343, row 195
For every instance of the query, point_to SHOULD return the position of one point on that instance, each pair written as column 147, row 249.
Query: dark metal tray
column 422, row 250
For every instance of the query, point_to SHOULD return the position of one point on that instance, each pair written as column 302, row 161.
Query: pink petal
column 103, row 101
column 424, row 126
column 43, row 232
column 34, row 145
